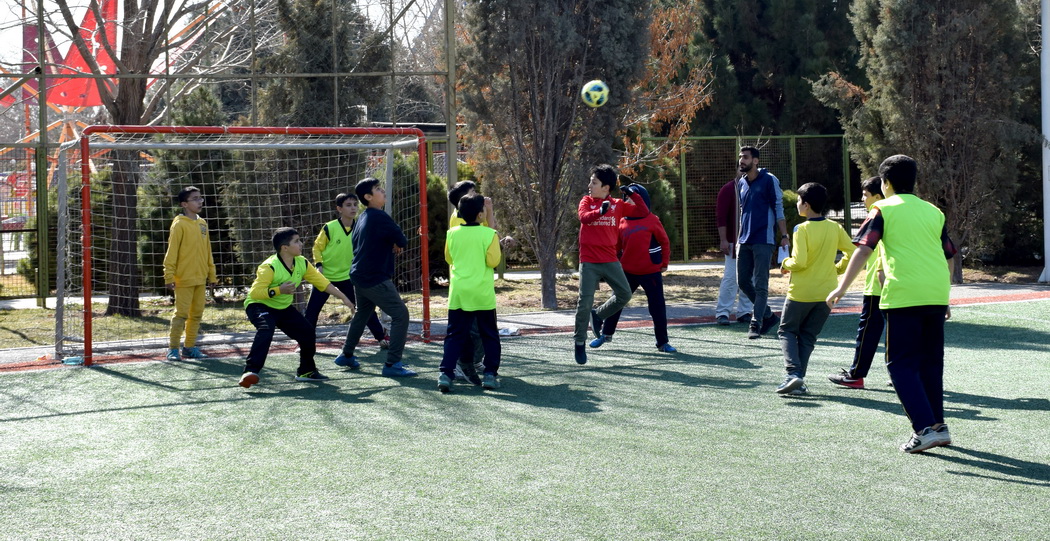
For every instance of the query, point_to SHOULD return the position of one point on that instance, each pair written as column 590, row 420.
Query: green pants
column 590, row 274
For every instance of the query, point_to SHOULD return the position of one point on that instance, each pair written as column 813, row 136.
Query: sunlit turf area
column 634, row 445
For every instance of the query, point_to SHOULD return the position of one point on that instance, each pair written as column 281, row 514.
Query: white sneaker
column 459, row 374
column 926, row 439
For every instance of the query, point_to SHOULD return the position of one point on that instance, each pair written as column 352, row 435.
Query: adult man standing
column 761, row 206
column 727, row 219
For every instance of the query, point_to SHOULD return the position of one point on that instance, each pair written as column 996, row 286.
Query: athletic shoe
column 490, row 381
column 444, row 383
column 722, row 320
column 769, row 323
column 666, row 348
column 843, row 378
column 790, row 383
column 943, row 431
column 248, row 379
column 581, row 354
column 468, row 371
column 347, row 362
column 596, row 324
column 926, row 439
column 597, row 342
column 173, row 355
column 398, row 370
column 193, row 353
column 745, row 318
column 801, row 391
column 752, row 332
column 311, row 376
column 385, row 343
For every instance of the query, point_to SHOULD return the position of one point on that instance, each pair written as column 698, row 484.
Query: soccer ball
column 595, row 93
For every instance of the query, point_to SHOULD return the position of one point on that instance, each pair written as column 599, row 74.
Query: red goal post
column 294, row 171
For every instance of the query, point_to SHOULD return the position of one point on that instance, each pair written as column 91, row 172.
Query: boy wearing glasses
column 188, row 267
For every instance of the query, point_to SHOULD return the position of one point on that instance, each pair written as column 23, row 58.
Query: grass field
column 634, row 445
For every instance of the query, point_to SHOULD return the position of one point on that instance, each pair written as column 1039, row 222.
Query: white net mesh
column 253, row 181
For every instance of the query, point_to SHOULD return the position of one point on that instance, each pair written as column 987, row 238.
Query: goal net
column 113, row 222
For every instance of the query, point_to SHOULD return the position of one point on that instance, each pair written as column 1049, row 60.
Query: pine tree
column 944, row 91
column 766, row 53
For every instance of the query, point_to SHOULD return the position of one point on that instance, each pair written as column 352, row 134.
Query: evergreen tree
column 766, row 54
column 944, row 90
column 323, row 40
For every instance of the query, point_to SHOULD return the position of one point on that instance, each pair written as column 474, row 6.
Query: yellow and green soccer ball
column 595, row 93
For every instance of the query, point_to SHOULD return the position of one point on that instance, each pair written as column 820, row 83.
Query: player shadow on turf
column 565, row 396
column 1019, row 404
column 1032, row 473
column 1012, row 335
column 670, row 376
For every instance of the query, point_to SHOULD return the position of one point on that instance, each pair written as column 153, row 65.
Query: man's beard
column 744, row 168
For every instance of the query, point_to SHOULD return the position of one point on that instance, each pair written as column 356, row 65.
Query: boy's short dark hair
column 283, row 237
column 815, row 195
column 873, row 186
column 605, row 174
column 184, row 194
column 900, row 171
column 341, row 198
column 753, row 150
column 470, row 206
column 459, row 190
column 365, row 188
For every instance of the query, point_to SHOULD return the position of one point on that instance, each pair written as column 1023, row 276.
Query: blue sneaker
column 398, row 370
column 596, row 324
column 666, row 348
column 194, row 353
column 444, row 383
column 347, row 362
column 603, row 339
column 490, row 381
column 173, row 355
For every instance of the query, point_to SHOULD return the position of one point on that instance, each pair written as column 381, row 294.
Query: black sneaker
column 596, row 324
column 769, row 323
column 311, row 376
column 722, row 320
column 752, row 332
column 744, row 318
column 581, row 353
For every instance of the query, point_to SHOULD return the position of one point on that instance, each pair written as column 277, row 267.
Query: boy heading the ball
column 600, row 215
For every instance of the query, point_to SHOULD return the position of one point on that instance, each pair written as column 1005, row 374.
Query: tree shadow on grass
column 1009, row 469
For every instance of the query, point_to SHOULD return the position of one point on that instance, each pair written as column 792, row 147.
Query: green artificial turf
column 635, row 445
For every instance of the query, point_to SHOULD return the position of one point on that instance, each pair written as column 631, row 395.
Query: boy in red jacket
column 645, row 252
column 600, row 215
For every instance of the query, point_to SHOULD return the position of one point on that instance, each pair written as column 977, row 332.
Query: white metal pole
column 1044, row 77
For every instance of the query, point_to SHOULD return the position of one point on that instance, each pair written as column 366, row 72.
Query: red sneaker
column 843, row 378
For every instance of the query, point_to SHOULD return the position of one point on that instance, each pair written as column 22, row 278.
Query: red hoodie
column 638, row 249
column 599, row 234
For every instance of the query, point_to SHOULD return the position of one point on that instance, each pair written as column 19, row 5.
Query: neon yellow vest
column 472, row 286
column 912, row 254
column 280, row 276
column 872, row 287
column 338, row 254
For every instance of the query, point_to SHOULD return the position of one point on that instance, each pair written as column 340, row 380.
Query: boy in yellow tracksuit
column 188, row 267
column 813, row 275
